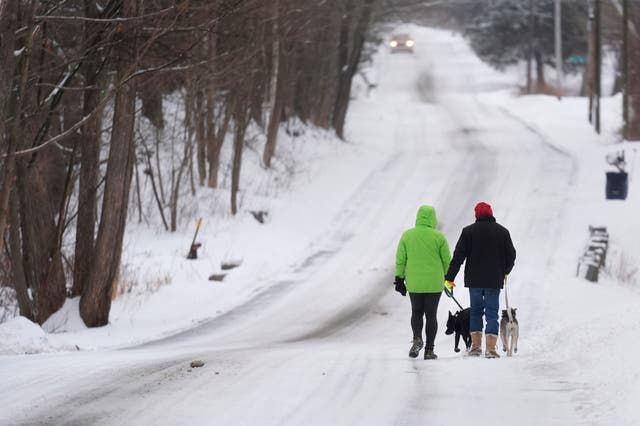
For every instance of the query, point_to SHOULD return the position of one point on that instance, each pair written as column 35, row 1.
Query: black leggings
column 425, row 305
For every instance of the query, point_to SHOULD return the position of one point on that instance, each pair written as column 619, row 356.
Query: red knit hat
column 483, row 209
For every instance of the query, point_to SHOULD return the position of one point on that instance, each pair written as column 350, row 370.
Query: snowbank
column 67, row 319
column 21, row 336
column 563, row 124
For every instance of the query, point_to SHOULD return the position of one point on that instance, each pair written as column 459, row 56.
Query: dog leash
column 450, row 294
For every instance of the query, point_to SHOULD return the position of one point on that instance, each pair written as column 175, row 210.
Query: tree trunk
column 346, row 76
column 95, row 303
column 274, row 124
column 25, row 303
column 8, row 26
column 40, row 252
column 214, row 153
column 539, row 70
column 175, row 193
column 41, row 261
column 325, row 88
column 89, row 163
column 618, row 80
column 342, row 96
column 201, row 137
column 633, row 89
column 277, row 92
column 158, row 137
column 240, row 116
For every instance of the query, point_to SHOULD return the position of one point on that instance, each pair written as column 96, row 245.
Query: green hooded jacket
column 423, row 254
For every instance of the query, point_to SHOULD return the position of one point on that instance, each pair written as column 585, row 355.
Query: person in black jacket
column 487, row 250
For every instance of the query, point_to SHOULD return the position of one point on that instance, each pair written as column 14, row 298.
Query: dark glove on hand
column 400, row 287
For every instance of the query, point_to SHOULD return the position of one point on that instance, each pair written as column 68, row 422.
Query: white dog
column 509, row 331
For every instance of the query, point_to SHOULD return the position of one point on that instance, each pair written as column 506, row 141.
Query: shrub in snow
column 622, row 267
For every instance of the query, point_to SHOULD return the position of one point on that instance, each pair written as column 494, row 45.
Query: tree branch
column 103, row 20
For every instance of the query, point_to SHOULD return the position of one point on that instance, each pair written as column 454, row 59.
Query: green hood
column 426, row 217
column 423, row 254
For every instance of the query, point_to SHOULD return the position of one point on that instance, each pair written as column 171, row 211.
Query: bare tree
column 89, row 151
column 65, row 62
column 95, row 303
column 357, row 19
column 276, row 88
column 8, row 28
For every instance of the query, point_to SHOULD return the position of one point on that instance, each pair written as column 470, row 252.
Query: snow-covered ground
column 307, row 330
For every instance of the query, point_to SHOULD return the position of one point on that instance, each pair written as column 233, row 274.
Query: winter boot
column 476, row 344
column 490, row 351
column 415, row 348
column 428, row 354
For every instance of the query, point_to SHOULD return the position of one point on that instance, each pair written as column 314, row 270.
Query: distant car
column 401, row 43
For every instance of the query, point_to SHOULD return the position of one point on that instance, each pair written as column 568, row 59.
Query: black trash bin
column 617, row 185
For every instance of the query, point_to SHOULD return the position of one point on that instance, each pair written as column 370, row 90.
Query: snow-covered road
column 327, row 343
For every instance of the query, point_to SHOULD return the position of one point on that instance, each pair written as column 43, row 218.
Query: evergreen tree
column 506, row 30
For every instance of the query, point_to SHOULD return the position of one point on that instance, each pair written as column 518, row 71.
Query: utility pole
column 530, row 47
column 625, row 68
column 594, row 65
column 591, row 62
column 598, row 63
column 558, row 37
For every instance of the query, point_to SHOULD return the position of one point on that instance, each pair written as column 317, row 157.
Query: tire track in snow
column 327, row 250
column 530, row 157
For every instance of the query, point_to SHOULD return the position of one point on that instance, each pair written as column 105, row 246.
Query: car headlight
column 393, row 43
column 409, row 43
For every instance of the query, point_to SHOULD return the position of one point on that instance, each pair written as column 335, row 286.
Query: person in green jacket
column 422, row 259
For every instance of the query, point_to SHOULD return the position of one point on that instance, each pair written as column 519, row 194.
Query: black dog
column 459, row 323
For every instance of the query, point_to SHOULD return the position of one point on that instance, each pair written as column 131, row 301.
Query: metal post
column 558, row 37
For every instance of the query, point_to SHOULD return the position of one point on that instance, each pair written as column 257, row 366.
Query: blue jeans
column 484, row 301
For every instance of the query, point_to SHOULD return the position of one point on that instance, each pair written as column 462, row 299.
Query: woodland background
column 84, row 88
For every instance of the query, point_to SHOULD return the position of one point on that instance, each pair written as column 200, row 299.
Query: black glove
column 400, row 287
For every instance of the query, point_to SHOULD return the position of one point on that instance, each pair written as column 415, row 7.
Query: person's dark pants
column 425, row 305
column 484, row 302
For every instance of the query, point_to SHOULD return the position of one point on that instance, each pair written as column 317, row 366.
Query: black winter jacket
column 489, row 253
